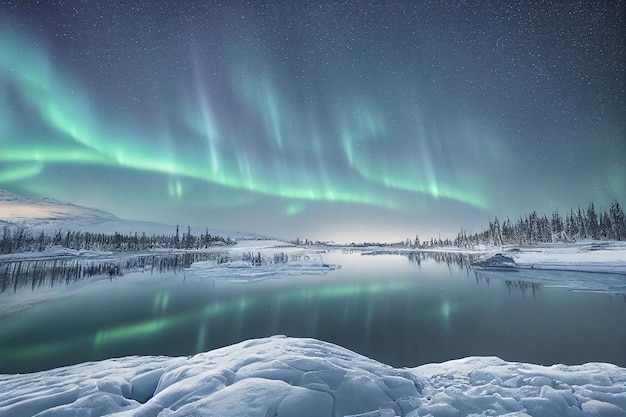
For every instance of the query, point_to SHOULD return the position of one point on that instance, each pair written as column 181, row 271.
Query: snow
column 593, row 266
column 590, row 256
column 282, row 376
column 296, row 262
column 51, row 215
column 245, row 272
column 245, row 245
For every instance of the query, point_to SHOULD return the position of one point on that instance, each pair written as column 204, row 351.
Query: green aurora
column 241, row 126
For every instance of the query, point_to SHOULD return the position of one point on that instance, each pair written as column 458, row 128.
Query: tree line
column 533, row 228
column 22, row 239
column 529, row 229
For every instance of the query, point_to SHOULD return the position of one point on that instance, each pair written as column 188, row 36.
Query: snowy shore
column 592, row 266
column 587, row 256
column 281, row 376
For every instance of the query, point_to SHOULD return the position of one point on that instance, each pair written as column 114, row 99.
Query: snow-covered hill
column 281, row 376
column 46, row 212
column 51, row 215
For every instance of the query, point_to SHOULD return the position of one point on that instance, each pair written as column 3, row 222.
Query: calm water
column 401, row 311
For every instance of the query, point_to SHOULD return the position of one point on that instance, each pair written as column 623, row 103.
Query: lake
column 398, row 309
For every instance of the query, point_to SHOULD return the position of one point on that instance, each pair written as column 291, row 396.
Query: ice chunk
column 596, row 408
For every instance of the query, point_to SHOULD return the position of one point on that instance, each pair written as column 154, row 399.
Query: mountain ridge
column 49, row 214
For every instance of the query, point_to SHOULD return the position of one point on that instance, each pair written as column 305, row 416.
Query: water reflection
column 49, row 273
column 34, row 274
column 428, row 309
column 452, row 259
column 463, row 262
column 513, row 286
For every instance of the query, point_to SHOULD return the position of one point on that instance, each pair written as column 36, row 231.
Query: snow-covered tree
column 593, row 227
column 617, row 221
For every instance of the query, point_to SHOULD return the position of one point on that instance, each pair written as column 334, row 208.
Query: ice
column 277, row 260
column 598, row 408
column 593, row 266
column 587, row 256
column 282, row 376
column 245, row 272
column 533, row 390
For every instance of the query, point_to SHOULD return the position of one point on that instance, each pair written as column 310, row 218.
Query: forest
column 17, row 239
column 532, row 228
column 529, row 229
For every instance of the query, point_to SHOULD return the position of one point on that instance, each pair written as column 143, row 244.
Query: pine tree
column 557, row 226
column 571, row 227
column 508, row 233
column 581, row 222
column 535, row 228
column 617, row 221
column 188, row 240
column 605, row 229
column 592, row 222
column 6, row 242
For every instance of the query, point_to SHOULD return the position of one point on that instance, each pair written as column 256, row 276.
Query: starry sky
column 332, row 120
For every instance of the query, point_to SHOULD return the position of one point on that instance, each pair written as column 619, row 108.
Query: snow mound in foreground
column 281, row 376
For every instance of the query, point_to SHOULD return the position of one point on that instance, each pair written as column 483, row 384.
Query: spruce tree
column 581, row 222
column 618, row 222
column 571, row 227
column 592, row 222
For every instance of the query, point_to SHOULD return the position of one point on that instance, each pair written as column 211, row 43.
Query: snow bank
column 261, row 244
column 268, row 259
column 591, row 256
column 282, row 376
column 489, row 385
column 593, row 266
column 598, row 281
column 245, row 271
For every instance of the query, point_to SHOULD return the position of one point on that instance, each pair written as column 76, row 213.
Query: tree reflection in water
column 463, row 262
column 41, row 273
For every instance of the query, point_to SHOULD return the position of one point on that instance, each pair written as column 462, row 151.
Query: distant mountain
column 50, row 215
column 46, row 212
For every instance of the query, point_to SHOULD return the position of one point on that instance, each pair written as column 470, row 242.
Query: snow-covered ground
column 594, row 266
column 278, row 260
column 588, row 256
column 587, row 266
column 281, row 376
column 245, row 272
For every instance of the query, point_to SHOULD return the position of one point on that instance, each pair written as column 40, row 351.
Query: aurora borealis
column 332, row 120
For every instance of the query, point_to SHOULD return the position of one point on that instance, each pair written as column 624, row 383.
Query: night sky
column 345, row 121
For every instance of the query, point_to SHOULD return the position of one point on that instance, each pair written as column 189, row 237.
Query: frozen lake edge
column 289, row 376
